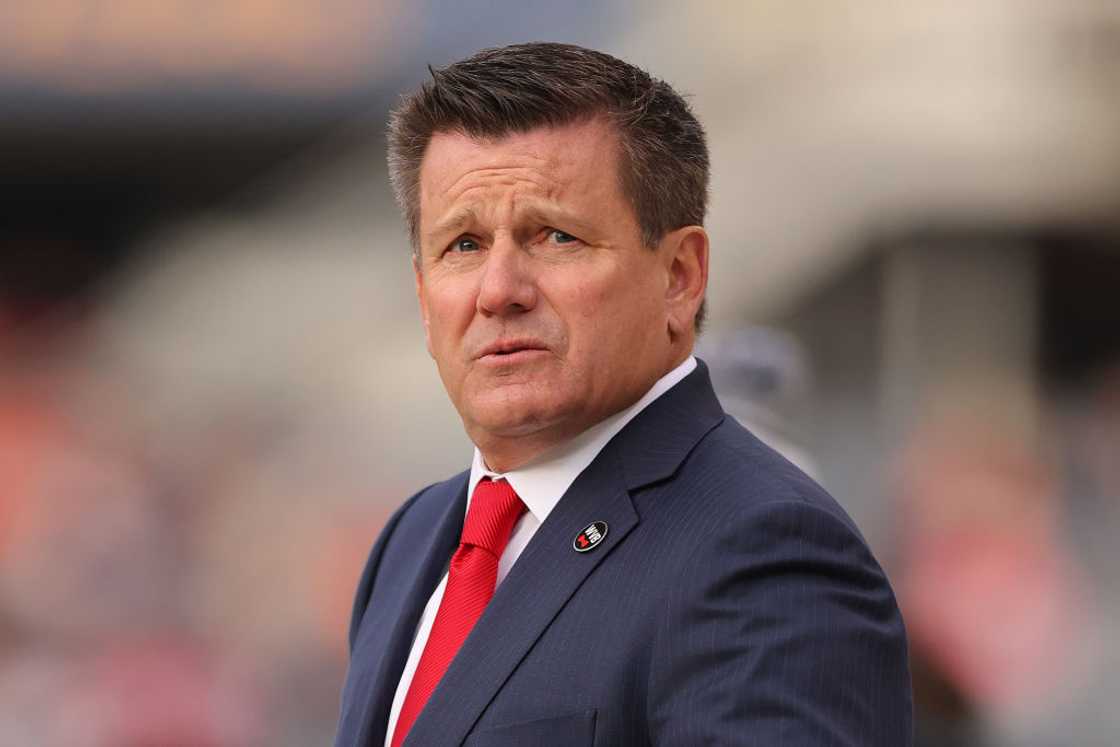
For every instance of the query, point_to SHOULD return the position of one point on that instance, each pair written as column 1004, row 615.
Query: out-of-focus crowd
column 174, row 583
column 1006, row 558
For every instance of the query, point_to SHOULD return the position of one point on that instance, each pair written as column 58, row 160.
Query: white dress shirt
column 540, row 485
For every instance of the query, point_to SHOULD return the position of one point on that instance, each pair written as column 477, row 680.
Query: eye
column 559, row 237
column 463, row 244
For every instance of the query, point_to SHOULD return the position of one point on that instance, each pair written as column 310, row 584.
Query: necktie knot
column 494, row 509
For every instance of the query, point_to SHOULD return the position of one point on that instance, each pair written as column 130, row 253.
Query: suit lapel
column 495, row 646
column 550, row 571
column 655, row 443
column 395, row 627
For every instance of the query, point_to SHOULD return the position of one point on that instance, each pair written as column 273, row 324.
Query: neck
column 503, row 454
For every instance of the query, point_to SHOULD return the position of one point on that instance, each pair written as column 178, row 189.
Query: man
column 623, row 564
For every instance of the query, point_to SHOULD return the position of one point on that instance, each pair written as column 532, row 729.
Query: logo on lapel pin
column 590, row 537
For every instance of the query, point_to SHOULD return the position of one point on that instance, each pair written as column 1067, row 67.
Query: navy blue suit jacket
column 732, row 602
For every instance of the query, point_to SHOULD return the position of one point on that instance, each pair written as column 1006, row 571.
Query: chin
column 507, row 414
column 506, row 423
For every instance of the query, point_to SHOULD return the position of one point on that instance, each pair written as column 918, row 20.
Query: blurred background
column 213, row 387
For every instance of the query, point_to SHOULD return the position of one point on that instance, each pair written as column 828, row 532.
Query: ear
column 686, row 258
column 418, row 274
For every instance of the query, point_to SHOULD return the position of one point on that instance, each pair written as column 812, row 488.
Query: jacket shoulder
column 773, row 584
column 427, row 502
column 734, row 468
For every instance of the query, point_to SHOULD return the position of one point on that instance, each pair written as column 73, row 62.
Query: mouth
column 507, row 351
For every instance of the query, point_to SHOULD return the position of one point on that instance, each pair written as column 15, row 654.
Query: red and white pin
column 591, row 536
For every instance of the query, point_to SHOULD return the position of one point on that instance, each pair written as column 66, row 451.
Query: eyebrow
column 549, row 213
column 543, row 212
column 454, row 221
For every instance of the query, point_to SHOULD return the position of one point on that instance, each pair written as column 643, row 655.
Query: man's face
column 543, row 310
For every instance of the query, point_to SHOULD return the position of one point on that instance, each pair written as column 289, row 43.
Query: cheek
column 621, row 313
column 450, row 309
column 445, row 329
column 627, row 297
column 589, row 308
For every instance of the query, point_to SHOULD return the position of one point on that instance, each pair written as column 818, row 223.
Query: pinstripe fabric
column 471, row 578
column 732, row 602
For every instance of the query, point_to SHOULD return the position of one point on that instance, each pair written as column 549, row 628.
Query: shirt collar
column 541, row 483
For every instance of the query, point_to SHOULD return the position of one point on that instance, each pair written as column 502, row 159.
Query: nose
column 507, row 285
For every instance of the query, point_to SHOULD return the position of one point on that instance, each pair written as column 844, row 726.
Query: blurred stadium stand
column 213, row 386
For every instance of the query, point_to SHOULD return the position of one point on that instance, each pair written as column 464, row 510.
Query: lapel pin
column 590, row 537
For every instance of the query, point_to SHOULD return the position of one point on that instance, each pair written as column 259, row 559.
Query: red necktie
column 494, row 510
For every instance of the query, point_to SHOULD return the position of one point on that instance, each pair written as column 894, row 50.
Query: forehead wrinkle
column 494, row 185
column 464, row 209
column 492, row 176
column 516, row 209
column 487, row 192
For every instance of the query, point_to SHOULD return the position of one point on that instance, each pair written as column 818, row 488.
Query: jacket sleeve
column 783, row 630
column 369, row 572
